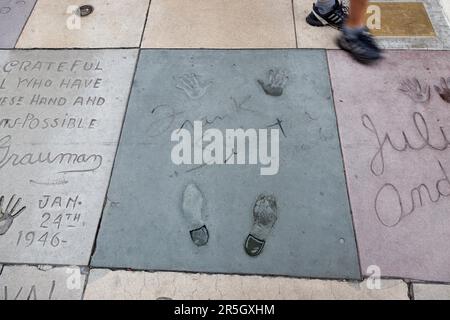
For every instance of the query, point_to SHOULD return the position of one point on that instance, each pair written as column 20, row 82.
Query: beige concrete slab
column 220, row 24
column 106, row 284
column 308, row 36
column 423, row 291
column 53, row 24
column 41, row 283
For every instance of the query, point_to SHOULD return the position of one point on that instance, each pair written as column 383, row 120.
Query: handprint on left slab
column 277, row 80
column 415, row 90
column 11, row 212
column 193, row 86
column 444, row 89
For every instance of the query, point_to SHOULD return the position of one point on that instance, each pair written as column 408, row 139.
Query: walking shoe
column 361, row 46
column 367, row 37
column 335, row 18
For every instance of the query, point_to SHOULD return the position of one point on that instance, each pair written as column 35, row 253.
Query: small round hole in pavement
column 85, row 10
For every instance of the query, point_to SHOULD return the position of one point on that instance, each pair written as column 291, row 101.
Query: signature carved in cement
column 392, row 206
column 277, row 80
column 415, row 90
column 444, row 90
column 192, row 85
column 10, row 213
column 384, row 140
column 239, row 105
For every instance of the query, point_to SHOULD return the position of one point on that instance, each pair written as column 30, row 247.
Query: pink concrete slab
column 397, row 157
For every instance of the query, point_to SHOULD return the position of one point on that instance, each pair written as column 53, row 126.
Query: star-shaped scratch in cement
column 278, row 123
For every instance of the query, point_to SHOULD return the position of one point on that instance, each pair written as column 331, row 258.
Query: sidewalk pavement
column 94, row 207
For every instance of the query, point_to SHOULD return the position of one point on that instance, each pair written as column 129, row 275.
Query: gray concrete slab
column 143, row 225
column 60, row 123
column 41, row 283
column 13, row 16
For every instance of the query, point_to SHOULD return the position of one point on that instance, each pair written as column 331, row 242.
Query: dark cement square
column 143, row 226
column 13, row 16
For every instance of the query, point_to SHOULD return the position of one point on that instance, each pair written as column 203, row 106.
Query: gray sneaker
column 335, row 18
column 362, row 47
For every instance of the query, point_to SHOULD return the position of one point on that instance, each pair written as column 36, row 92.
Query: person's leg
column 327, row 13
column 356, row 18
column 325, row 6
column 355, row 22
column 355, row 37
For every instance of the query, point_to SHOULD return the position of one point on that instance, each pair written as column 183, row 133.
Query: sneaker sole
column 313, row 20
column 356, row 57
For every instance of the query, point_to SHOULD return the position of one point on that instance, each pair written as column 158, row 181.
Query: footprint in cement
column 193, row 213
column 265, row 214
column 276, row 83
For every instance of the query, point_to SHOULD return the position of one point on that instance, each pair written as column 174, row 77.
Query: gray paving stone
column 428, row 291
column 143, row 225
column 34, row 283
column 13, row 16
column 57, row 156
